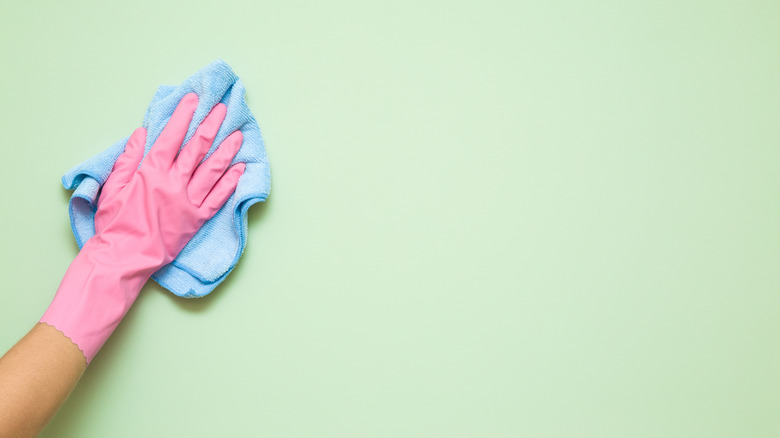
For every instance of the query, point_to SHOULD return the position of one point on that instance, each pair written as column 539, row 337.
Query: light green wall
column 488, row 219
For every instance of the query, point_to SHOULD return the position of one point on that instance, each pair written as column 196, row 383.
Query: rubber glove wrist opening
column 93, row 297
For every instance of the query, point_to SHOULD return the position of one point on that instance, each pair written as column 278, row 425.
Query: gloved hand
column 145, row 216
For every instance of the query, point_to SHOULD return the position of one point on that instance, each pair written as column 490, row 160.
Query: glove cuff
column 94, row 295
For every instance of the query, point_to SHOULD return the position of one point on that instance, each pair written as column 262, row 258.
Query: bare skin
column 36, row 376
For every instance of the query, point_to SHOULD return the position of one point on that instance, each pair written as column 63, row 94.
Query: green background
column 488, row 219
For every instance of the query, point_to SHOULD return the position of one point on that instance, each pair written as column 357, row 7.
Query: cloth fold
column 214, row 251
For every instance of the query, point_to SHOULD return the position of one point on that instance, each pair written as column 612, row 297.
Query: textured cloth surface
column 213, row 252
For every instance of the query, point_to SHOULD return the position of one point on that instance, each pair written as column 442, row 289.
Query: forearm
column 40, row 371
column 36, row 376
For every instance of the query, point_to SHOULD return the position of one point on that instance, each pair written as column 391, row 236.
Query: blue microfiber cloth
column 213, row 252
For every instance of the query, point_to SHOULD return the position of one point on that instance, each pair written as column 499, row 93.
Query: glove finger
column 211, row 170
column 169, row 142
column 223, row 190
column 200, row 143
column 126, row 165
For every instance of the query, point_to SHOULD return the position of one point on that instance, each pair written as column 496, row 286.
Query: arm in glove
column 145, row 216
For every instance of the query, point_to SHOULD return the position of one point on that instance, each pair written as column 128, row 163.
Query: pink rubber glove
column 145, row 217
